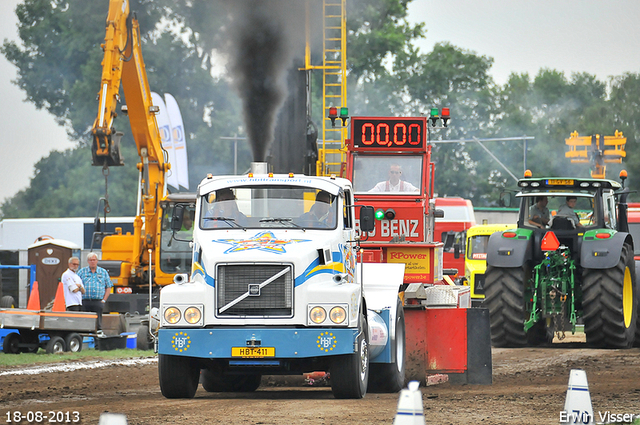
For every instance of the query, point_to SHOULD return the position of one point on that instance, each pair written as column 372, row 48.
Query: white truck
column 276, row 289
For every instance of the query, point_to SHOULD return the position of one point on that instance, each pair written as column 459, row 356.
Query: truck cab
column 275, row 288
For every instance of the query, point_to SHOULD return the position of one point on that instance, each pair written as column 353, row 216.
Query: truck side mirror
column 456, row 251
column 506, row 199
column 176, row 220
column 366, row 219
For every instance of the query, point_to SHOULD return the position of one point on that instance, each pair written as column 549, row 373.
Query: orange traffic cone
column 58, row 303
column 34, row 298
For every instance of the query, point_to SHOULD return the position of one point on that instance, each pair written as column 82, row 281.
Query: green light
column 344, row 112
column 434, row 112
column 379, row 214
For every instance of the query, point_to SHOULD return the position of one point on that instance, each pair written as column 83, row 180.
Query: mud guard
column 381, row 283
column 602, row 253
column 509, row 252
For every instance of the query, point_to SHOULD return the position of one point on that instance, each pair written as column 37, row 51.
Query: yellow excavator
column 150, row 256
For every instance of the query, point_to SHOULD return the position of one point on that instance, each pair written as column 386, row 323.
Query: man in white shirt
column 395, row 183
column 73, row 287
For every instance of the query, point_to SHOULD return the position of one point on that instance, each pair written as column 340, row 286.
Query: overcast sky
column 598, row 37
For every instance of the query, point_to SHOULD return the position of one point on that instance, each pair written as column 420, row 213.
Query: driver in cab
column 395, row 182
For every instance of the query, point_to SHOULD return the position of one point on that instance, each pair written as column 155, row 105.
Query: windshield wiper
column 230, row 221
column 281, row 220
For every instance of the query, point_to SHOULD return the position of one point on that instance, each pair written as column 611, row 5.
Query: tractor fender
column 603, row 253
column 509, row 252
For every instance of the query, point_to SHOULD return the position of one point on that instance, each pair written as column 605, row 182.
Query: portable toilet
column 51, row 257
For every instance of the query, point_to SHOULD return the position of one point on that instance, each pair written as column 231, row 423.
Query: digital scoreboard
column 388, row 133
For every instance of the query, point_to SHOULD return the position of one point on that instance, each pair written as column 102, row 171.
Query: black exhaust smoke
column 263, row 36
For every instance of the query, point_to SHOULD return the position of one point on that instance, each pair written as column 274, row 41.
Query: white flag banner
column 164, row 125
column 179, row 140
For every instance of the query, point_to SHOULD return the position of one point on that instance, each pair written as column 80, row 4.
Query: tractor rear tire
column 178, row 376
column 610, row 303
column 390, row 377
column 214, row 381
column 504, row 297
column 350, row 373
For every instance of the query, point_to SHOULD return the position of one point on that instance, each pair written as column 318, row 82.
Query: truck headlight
column 337, row 315
column 192, row 315
column 172, row 315
column 317, row 315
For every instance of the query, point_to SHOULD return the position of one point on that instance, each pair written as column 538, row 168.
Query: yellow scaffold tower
column 331, row 151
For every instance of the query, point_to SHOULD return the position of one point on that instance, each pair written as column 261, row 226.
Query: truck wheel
column 143, row 339
column 10, row 344
column 390, row 377
column 504, row 297
column 73, row 341
column 350, row 373
column 178, row 376
column 7, row 302
column 213, row 381
column 609, row 302
column 55, row 345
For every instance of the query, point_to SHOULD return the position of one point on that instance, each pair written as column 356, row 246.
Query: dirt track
column 529, row 387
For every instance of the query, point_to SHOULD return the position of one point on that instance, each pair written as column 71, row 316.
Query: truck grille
column 479, row 284
column 240, row 291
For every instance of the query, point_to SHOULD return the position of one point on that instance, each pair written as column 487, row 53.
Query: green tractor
column 570, row 259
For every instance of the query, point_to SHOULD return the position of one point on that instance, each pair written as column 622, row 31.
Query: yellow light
column 172, row 315
column 250, row 175
column 337, row 315
column 528, row 173
column 290, row 175
column 192, row 315
column 317, row 315
column 270, row 174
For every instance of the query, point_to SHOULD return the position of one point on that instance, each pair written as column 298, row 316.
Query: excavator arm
column 123, row 65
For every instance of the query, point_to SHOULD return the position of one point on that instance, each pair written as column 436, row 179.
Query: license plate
column 560, row 182
column 254, row 352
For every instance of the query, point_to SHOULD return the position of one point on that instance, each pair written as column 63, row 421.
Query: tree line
column 184, row 46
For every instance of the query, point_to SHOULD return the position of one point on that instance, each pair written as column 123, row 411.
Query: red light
column 445, row 112
column 509, row 234
column 603, row 235
column 549, row 242
column 333, row 112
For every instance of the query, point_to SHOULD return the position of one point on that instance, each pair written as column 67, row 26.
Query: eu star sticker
column 265, row 241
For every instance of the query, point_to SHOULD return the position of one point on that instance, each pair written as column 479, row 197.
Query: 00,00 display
column 388, row 133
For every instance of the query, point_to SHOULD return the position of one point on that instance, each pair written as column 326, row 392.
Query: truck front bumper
column 279, row 343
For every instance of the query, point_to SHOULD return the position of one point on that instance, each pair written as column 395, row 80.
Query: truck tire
column 609, row 302
column 10, row 343
column 213, row 381
column 504, row 297
column 73, row 342
column 55, row 345
column 7, row 301
column 390, row 377
column 350, row 373
column 178, row 376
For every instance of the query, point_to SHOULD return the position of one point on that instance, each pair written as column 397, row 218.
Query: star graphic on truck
column 264, row 241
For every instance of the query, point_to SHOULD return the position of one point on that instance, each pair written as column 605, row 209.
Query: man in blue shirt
column 96, row 283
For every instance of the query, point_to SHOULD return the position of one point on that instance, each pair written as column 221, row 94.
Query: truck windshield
column 559, row 212
column 478, row 247
column 268, row 207
column 387, row 173
column 175, row 249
